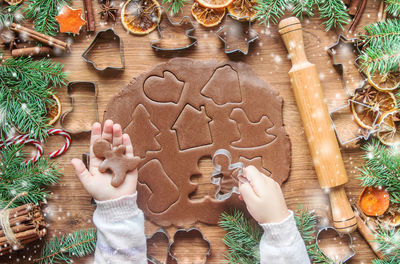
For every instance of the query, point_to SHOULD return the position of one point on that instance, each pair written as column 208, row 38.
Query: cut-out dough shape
column 223, row 87
column 165, row 89
column 114, row 160
column 256, row 162
column 144, row 132
column 192, row 128
column 164, row 191
column 252, row 134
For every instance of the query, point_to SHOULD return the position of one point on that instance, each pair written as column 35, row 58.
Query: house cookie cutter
column 105, row 34
column 70, row 87
column 217, row 172
column 171, row 257
column 354, row 44
column 345, row 258
column 185, row 21
column 240, row 26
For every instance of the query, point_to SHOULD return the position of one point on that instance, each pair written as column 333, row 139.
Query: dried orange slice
column 206, row 16
column 384, row 82
column 214, row 4
column 374, row 201
column 388, row 133
column 54, row 111
column 364, row 116
column 243, row 9
column 140, row 17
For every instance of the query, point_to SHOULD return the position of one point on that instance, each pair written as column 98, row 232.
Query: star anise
column 367, row 96
column 108, row 11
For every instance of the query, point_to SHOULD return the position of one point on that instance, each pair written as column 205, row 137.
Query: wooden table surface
column 70, row 209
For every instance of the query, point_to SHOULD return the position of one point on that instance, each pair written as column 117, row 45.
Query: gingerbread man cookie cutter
column 217, row 172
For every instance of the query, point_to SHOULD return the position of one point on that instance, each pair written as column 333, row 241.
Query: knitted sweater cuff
column 118, row 209
column 280, row 232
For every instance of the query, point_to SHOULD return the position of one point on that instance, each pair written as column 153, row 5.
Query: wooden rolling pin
column 321, row 137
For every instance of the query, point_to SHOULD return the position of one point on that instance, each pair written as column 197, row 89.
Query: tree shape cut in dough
column 252, row 134
column 223, row 86
column 192, row 128
column 144, row 132
column 165, row 89
column 164, row 191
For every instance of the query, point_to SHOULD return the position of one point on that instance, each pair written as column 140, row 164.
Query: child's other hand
column 263, row 197
column 99, row 184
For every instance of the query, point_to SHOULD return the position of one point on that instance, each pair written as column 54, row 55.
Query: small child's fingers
column 95, row 135
column 255, row 178
column 117, row 135
column 108, row 130
column 81, row 171
column 247, row 193
column 126, row 140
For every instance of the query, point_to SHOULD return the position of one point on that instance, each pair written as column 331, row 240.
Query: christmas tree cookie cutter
column 218, row 174
column 70, row 87
column 236, row 33
column 353, row 44
column 108, row 35
column 168, row 30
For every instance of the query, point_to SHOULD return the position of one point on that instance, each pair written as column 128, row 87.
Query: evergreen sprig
column 63, row 248
column 10, row 14
column 16, row 177
column 175, row 5
column 382, row 168
column 25, row 89
column 389, row 243
column 393, row 7
column 334, row 12
column 43, row 13
column 382, row 31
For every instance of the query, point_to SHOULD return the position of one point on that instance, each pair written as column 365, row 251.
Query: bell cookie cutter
column 105, row 34
column 354, row 44
column 242, row 25
column 171, row 257
column 218, row 172
column 70, row 87
column 185, row 21
column 350, row 244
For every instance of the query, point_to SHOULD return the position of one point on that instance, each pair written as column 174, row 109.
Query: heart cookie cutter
column 218, row 171
column 171, row 257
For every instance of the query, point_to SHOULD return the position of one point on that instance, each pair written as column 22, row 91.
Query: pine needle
column 393, row 7
column 10, row 14
column 175, row 5
column 334, row 12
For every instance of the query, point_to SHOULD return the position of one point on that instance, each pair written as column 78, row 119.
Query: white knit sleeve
column 281, row 243
column 120, row 232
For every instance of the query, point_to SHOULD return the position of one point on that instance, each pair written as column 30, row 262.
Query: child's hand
column 99, row 184
column 263, row 197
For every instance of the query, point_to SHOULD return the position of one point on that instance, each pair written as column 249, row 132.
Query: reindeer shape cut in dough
column 114, row 160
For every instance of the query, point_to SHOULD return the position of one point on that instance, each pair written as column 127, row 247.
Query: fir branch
column 16, row 177
column 382, row 168
column 334, row 12
column 389, row 243
column 43, row 12
column 383, row 31
column 301, row 7
column 64, row 248
column 175, row 5
column 383, row 59
column 270, row 10
column 10, row 14
column 393, row 7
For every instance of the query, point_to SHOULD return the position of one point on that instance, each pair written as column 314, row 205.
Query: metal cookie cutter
column 163, row 233
column 108, row 35
column 346, row 134
column 336, row 252
column 163, row 27
column 236, row 32
column 353, row 46
column 70, row 87
column 218, row 170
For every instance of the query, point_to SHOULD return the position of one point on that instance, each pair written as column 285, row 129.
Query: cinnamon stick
column 32, row 51
column 353, row 7
column 89, row 14
column 357, row 16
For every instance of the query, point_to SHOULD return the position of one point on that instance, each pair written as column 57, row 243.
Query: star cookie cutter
column 332, row 253
column 340, row 68
column 171, row 258
column 241, row 31
column 361, row 135
column 218, row 171
column 185, row 22
column 70, row 87
column 107, row 35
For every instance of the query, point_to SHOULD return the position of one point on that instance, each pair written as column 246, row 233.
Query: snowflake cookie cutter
column 108, row 35
column 185, row 23
column 365, row 135
column 217, row 174
column 340, row 68
column 328, row 250
column 241, row 31
column 70, row 87
column 170, row 257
